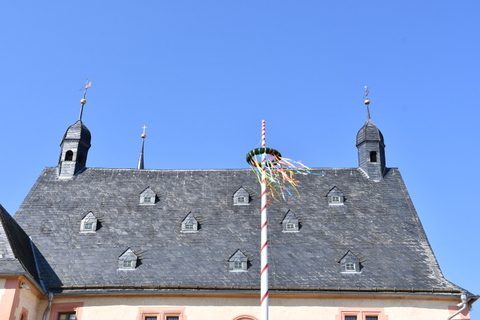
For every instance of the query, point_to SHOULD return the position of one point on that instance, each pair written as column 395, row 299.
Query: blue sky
column 201, row 75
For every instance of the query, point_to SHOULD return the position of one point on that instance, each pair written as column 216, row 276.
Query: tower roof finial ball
column 367, row 102
column 143, row 135
column 83, row 101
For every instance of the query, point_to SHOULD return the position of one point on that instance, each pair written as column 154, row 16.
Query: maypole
column 264, row 234
column 277, row 181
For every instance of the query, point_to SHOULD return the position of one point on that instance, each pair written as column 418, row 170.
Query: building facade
column 139, row 244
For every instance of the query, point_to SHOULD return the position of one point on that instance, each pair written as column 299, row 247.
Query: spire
column 371, row 147
column 140, row 159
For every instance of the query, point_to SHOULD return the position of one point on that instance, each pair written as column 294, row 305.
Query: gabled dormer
column 349, row 263
column 241, row 197
column 335, row 196
column 238, row 262
column 127, row 260
column 89, row 223
column 148, row 197
column 290, row 222
column 189, row 224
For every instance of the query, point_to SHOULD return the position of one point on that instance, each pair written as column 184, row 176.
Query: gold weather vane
column 366, row 101
column 87, row 85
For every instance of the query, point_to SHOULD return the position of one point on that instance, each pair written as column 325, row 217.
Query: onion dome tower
column 74, row 146
column 371, row 148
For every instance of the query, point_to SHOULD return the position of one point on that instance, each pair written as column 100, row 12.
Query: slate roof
column 16, row 255
column 377, row 223
column 369, row 132
column 78, row 131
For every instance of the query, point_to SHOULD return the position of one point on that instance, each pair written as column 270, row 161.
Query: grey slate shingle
column 377, row 223
column 16, row 256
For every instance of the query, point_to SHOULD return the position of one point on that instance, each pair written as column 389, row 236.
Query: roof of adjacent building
column 16, row 253
column 377, row 223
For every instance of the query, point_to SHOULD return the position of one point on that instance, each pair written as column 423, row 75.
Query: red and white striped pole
column 264, row 241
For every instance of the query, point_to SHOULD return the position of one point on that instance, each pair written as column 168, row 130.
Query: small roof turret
column 371, row 147
column 75, row 144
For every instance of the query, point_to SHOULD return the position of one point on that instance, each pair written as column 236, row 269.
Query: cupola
column 74, row 150
column 75, row 144
column 371, row 149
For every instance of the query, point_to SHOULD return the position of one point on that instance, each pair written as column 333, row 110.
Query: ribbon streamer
column 279, row 172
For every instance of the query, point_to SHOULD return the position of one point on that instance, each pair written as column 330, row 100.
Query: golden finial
column 143, row 134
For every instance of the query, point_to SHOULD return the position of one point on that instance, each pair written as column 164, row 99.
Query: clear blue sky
column 201, row 75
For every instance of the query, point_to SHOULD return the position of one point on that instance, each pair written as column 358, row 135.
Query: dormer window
column 89, row 223
column 335, row 196
column 241, row 197
column 291, row 226
column 148, row 197
column 350, row 267
column 349, row 263
column 238, row 262
column 128, row 260
column 88, row 226
column 189, row 224
column 290, row 222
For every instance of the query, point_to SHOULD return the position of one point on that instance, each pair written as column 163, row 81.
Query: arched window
column 373, row 156
column 69, row 155
column 244, row 317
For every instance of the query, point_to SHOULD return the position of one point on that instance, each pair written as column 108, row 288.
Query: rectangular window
column 188, row 226
column 241, row 199
column 361, row 314
column 147, row 199
column 88, row 226
column 238, row 265
column 291, row 226
column 349, row 266
column 67, row 316
column 127, row 263
column 161, row 313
